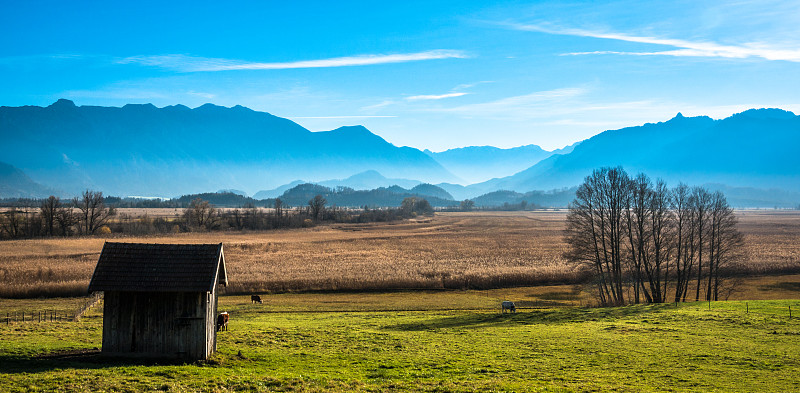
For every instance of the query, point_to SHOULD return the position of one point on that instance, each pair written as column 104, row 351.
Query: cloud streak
column 685, row 48
column 526, row 106
column 184, row 63
column 435, row 97
column 338, row 117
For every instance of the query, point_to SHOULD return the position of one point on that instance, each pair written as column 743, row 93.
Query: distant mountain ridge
column 144, row 150
column 756, row 148
column 480, row 163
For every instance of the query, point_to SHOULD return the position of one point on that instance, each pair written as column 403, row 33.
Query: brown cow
column 255, row 298
column 222, row 321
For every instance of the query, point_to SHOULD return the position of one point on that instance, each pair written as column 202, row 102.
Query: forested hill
column 379, row 197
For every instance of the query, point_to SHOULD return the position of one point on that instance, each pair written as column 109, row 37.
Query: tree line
column 91, row 214
column 84, row 215
column 646, row 242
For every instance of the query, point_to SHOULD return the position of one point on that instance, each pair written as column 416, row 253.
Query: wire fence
column 49, row 315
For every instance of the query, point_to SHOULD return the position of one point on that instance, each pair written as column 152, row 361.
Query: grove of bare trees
column 648, row 243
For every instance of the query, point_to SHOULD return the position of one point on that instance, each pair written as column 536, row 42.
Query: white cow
column 509, row 306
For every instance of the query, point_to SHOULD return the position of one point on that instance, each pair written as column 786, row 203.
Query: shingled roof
column 138, row 267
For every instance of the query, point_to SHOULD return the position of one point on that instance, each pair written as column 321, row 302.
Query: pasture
column 432, row 341
column 382, row 307
column 475, row 250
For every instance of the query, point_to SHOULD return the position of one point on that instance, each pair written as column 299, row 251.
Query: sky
column 431, row 75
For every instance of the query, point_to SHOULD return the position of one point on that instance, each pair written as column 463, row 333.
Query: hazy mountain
column 368, row 180
column 149, row 151
column 16, row 184
column 758, row 197
column 479, row 163
column 755, row 148
column 554, row 198
column 276, row 192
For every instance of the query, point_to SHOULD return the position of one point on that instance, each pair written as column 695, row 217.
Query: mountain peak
column 62, row 103
column 139, row 106
column 359, row 129
column 367, row 175
column 766, row 113
column 209, row 106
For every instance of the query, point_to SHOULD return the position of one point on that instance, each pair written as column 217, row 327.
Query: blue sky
column 436, row 76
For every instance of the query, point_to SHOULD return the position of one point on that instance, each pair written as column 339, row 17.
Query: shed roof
column 140, row 267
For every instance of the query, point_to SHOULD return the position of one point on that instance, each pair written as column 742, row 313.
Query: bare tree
column 12, row 223
column 662, row 238
column 200, row 214
column 637, row 219
column 684, row 239
column 278, row 207
column 595, row 227
column 67, row 219
column 93, row 211
column 701, row 200
column 317, row 206
column 49, row 210
column 725, row 242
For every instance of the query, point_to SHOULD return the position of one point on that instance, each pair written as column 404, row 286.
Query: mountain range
column 756, row 148
column 144, row 150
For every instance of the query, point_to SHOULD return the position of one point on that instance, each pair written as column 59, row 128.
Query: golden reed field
column 449, row 250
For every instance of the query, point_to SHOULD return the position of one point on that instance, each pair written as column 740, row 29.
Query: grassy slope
column 636, row 348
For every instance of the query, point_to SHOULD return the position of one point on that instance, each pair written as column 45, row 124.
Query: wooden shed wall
column 160, row 324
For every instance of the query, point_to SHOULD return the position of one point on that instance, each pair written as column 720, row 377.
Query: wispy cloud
column 517, row 107
column 337, row 117
column 376, row 107
column 184, row 63
column 435, row 97
column 683, row 47
column 201, row 94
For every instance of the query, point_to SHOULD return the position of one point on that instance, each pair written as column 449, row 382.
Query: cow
column 222, row 321
column 254, row 299
column 509, row 306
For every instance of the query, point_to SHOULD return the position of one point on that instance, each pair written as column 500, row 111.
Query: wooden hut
column 160, row 300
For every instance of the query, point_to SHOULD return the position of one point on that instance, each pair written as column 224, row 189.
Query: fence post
column 747, row 307
column 23, row 316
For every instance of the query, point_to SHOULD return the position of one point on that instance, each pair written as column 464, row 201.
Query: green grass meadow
column 429, row 341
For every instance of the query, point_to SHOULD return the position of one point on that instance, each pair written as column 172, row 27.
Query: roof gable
column 140, row 267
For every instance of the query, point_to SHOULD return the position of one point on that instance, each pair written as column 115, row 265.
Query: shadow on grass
column 80, row 359
column 530, row 317
column 784, row 285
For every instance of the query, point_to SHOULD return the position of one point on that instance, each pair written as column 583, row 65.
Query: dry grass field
column 450, row 250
